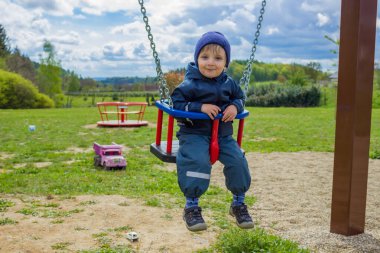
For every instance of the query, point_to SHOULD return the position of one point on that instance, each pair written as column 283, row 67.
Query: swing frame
column 166, row 151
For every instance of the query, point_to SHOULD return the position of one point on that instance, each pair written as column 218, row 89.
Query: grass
column 236, row 240
column 60, row 246
column 64, row 137
column 7, row 221
column 116, row 249
column 4, row 204
column 67, row 135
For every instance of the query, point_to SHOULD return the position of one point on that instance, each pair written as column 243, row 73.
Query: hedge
column 276, row 95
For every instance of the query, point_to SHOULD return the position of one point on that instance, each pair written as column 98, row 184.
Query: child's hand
column 230, row 113
column 210, row 109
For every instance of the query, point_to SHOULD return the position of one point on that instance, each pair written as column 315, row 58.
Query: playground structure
column 119, row 114
column 353, row 114
column 167, row 150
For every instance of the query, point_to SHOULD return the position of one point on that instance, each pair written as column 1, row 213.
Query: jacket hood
column 192, row 72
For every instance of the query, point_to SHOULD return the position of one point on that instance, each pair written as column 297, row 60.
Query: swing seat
column 166, row 151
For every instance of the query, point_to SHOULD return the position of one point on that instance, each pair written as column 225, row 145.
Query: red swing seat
column 167, row 150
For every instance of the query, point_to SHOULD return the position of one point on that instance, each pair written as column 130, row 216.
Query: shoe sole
column 197, row 227
column 245, row 225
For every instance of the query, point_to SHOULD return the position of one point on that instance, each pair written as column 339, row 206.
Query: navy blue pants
column 194, row 167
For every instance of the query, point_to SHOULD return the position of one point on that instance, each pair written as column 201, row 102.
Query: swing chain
column 248, row 68
column 163, row 88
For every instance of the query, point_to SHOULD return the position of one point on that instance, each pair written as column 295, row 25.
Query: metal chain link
column 163, row 87
column 248, row 68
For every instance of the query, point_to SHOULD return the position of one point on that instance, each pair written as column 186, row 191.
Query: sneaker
column 193, row 218
column 243, row 219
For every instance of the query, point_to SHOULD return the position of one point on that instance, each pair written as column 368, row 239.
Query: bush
column 275, row 95
column 17, row 92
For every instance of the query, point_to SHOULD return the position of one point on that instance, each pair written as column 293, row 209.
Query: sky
column 107, row 38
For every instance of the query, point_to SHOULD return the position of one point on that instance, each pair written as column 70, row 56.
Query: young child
column 208, row 89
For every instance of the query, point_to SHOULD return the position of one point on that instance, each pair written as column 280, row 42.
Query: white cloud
column 272, row 30
column 40, row 25
column 99, row 7
column 319, row 5
column 70, row 38
column 322, row 19
column 243, row 15
column 128, row 29
column 52, row 7
column 105, row 37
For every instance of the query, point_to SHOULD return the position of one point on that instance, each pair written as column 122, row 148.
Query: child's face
column 212, row 60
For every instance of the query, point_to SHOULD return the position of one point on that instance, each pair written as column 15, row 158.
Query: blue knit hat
column 213, row 38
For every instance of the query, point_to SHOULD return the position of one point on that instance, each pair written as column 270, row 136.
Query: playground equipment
column 119, row 114
column 167, row 150
column 353, row 124
column 353, row 117
column 109, row 156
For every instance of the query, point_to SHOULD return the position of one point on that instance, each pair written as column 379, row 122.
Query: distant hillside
column 125, row 80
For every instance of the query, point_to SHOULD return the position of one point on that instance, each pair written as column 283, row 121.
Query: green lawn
column 60, row 131
column 64, row 137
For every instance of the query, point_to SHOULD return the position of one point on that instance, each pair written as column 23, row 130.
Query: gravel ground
column 293, row 193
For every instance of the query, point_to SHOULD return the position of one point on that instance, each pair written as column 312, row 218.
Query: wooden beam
column 353, row 118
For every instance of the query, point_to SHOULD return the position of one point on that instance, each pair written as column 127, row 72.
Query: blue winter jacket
column 196, row 90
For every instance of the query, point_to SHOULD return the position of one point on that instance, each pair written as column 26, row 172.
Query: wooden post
column 353, row 119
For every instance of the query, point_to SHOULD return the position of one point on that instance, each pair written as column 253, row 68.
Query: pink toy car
column 109, row 156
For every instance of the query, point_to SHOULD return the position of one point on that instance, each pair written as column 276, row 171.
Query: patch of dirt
column 79, row 150
column 91, row 126
column 100, row 219
column 293, row 192
column 4, row 155
column 19, row 165
column 152, row 125
column 42, row 164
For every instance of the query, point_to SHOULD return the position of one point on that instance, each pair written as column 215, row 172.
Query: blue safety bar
column 193, row 115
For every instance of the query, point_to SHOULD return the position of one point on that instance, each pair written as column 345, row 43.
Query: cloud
column 114, row 52
column 320, row 6
column 100, row 7
column 128, row 29
column 52, row 7
column 272, row 30
column 71, row 38
column 322, row 19
column 105, row 37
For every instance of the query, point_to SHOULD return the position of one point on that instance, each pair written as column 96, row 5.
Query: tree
column 71, row 82
column 49, row 72
column 87, row 84
column 297, row 75
column 21, row 64
column 336, row 42
column 173, row 79
column 313, row 70
column 5, row 48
